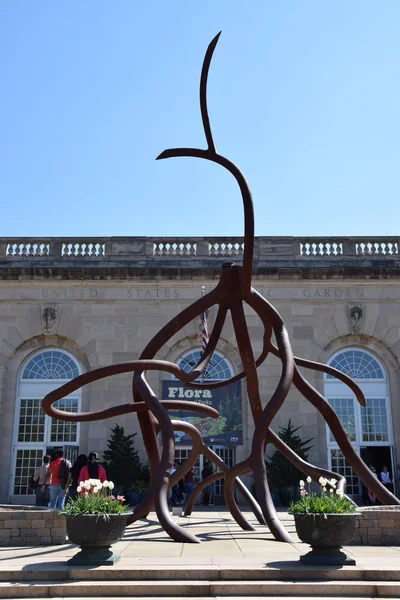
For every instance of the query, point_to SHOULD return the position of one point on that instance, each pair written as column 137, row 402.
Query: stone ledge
column 27, row 526
column 378, row 526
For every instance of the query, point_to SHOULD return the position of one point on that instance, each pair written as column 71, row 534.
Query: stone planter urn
column 95, row 534
column 326, row 534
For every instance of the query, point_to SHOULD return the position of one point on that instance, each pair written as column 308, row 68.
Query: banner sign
column 227, row 429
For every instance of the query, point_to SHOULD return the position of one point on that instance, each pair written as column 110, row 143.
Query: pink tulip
column 112, row 497
column 304, row 492
column 121, row 498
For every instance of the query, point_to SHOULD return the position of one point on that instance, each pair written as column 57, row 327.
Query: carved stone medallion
column 356, row 318
column 50, row 314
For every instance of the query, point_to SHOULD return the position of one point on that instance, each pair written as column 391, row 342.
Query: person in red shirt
column 92, row 470
column 60, row 470
column 189, row 483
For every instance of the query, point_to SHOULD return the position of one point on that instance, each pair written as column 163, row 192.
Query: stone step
column 200, row 589
column 229, row 598
column 53, row 572
column 187, row 573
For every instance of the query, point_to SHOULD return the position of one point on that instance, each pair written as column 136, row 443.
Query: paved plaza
column 224, row 545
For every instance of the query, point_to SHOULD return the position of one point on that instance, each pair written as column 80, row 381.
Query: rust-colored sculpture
column 234, row 288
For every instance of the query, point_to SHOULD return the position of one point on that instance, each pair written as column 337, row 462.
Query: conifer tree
column 280, row 471
column 121, row 459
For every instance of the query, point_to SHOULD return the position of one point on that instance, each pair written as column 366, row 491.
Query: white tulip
column 99, row 485
column 95, row 489
column 322, row 481
column 309, row 480
column 87, row 485
column 79, row 489
column 333, row 482
column 301, row 483
column 324, row 489
column 338, row 493
column 105, row 484
column 111, row 485
column 331, row 491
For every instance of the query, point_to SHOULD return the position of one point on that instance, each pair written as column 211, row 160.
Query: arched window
column 218, row 370
column 368, row 428
column 357, row 364
column 35, row 434
column 51, row 364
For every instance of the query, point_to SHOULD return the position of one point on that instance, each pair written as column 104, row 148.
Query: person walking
column 76, row 469
column 93, row 470
column 60, row 470
column 42, row 476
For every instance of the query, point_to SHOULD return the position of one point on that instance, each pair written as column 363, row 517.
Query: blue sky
column 304, row 96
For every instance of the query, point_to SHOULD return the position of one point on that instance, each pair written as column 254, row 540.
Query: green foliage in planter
column 95, row 498
column 139, row 486
column 332, row 502
column 280, row 471
column 314, row 504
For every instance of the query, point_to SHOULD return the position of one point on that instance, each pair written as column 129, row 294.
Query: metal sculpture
column 233, row 290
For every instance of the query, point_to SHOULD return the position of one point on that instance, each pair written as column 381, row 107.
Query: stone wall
column 31, row 526
column 378, row 526
column 108, row 303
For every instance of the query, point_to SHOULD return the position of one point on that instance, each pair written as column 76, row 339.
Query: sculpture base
column 327, row 557
column 94, row 557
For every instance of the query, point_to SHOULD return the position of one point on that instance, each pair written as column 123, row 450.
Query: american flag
column 204, row 332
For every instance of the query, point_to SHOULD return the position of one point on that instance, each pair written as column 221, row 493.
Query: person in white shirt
column 385, row 478
column 42, row 477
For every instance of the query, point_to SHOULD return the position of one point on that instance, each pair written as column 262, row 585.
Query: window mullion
column 359, row 433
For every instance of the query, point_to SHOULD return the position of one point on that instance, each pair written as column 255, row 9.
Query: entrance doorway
column 368, row 428
column 35, row 434
column 377, row 456
column 226, row 453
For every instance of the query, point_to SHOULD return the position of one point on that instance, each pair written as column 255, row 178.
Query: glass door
column 228, row 455
column 34, row 435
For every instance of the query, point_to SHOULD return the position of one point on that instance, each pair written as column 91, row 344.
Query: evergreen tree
column 280, row 471
column 121, row 460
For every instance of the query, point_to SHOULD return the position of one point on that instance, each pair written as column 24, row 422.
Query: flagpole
column 203, row 289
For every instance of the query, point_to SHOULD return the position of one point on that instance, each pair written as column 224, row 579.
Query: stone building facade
column 71, row 305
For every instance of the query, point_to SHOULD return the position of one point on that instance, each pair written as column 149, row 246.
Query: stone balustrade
column 306, row 249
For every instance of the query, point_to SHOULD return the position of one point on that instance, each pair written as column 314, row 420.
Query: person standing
column 385, row 478
column 93, row 470
column 60, row 470
column 76, row 469
column 174, row 489
column 42, row 476
column 189, row 484
column 207, row 492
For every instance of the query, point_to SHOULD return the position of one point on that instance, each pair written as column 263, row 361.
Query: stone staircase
column 199, row 582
